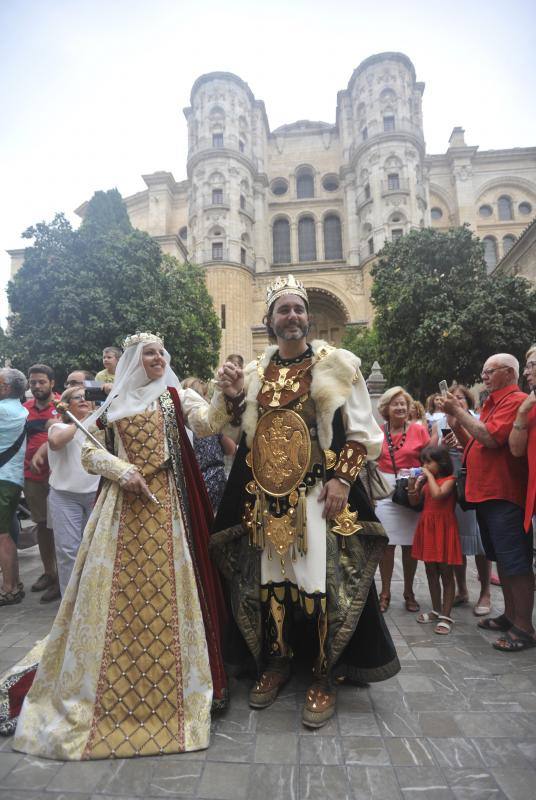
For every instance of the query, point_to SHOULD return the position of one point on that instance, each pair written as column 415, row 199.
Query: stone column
column 376, row 387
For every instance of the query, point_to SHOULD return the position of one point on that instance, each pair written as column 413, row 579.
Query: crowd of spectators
column 40, row 455
column 495, row 450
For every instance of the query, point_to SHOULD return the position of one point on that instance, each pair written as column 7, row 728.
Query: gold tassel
column 301, row 521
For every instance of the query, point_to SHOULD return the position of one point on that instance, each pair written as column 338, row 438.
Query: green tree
column 364, row 343
column 79, row 291
column 4, row 347
column 439, row 315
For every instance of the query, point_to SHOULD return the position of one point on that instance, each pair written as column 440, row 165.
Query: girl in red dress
column 437, row 539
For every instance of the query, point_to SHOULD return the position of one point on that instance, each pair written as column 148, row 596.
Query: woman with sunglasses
column 72, row 489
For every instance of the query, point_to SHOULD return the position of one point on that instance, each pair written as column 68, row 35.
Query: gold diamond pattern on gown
column 139, row 704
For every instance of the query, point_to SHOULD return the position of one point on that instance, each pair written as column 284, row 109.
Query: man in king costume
column 296, row 537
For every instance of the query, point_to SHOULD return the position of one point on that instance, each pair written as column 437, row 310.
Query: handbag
column 375, row 484
column 400, row 494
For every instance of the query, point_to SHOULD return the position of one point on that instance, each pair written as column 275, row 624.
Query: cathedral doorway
column 329, row 316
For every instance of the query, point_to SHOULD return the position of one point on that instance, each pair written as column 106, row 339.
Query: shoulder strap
column 391, row 453
column 7, row 454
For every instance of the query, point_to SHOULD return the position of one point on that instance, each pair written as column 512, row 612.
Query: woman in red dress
column 437, row 539
column 523, row 435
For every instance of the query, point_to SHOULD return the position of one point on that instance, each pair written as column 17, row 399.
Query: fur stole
column 333, row 376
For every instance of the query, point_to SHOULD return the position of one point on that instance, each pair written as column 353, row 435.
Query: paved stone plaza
column 459, row 721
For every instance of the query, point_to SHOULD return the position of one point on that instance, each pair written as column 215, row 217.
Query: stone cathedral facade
column 320, row 199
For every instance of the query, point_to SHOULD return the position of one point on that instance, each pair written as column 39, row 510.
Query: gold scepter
column 61, row 408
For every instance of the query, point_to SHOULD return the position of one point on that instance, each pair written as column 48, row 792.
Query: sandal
column 460, row 600
column 427, row 616
column 11, row 598
column 522, row 641
column 385, row 601
column 501, row 623
column 411, row 603
column 444, row 626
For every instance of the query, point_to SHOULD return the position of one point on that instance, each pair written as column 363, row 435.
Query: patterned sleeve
column 101, row 462
column 203, row 418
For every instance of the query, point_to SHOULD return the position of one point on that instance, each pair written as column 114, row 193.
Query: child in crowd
column 437, row 540
column 110, row 357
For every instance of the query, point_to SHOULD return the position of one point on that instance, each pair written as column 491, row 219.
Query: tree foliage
column 364, row 343
column 79, row 291
column 439, row 315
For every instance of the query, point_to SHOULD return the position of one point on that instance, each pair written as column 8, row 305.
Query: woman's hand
column 136, row 484
column 230, row 379
column 334, row 495
column 528, row 403
column 450, row 440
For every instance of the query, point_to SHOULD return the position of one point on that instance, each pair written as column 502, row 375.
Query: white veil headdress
column 132, row 390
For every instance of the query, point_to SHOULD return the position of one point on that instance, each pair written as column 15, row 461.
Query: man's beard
column 302, row 329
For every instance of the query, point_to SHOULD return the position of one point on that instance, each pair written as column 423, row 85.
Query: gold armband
column 351, row 459
column 235, row 407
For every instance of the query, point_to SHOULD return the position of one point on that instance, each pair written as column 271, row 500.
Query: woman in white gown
column 133, row 664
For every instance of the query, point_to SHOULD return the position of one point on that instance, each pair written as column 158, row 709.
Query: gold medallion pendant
column 280, row 452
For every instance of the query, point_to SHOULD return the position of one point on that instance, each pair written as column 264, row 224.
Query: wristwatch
column 519, row 426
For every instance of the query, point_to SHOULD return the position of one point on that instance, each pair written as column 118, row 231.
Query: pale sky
column 91, row 93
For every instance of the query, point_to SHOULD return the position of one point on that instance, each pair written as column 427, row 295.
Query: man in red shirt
column 497, row 485
column 40, row 410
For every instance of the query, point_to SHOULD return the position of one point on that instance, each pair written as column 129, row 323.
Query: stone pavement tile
column 42, row 795
column 319, row 783
column 473, row 724
column 496, row 702
column 436, row 701
column 271, row 720
column 516, row 784
column 171, row 778
column 455, row 752
column 236, row 747
column 428, row 653
column 7, row 762
column 31, row 774
column 388, row 702
column 224, row 781
column 364, row 751
column 325, row 750
column 80, row 777
column 528, row 748
column 273, row 782
column 417, row 783
column 415, row 683
column 128, row 776
column 351, row 699
column 437, row 723
column 474, row 684
column 518, row 682
column 271, row 748
column 374, row 783
column 358, row 725
column 501, row 754
column 407, row 752
column 237, row 720
column 399, row 723
column 477, row 784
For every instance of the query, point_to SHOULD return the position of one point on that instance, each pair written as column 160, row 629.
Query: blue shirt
column 12, row 420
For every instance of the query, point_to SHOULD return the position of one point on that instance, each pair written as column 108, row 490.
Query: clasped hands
column 230, row 379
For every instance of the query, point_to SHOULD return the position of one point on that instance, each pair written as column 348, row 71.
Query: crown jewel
column 284, row 285
column 142, row 337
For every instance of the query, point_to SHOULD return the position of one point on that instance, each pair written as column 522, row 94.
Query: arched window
column 305, row 184
column 504, row 204
column 332, row 238
column 490, row 252
column 306, row 239
column 281, row 241
column 508, row 243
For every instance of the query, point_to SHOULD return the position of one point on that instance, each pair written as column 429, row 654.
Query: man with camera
column 40, row 410
column 497, row 486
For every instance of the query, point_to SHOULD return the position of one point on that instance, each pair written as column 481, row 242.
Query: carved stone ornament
column 354, row 282
column 280, row 453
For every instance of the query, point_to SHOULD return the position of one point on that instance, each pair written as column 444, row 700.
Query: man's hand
column 334, row 494
column 528, row 403
column 230, row 379
column 39, row 460
column 450, row 440
column 137, row 486
column 449, row 404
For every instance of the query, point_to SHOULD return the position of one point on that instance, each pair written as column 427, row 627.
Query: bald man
column 497, row 486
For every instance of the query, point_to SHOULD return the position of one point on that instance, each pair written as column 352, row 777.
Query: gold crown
column 142, row 337
column 281, row 286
